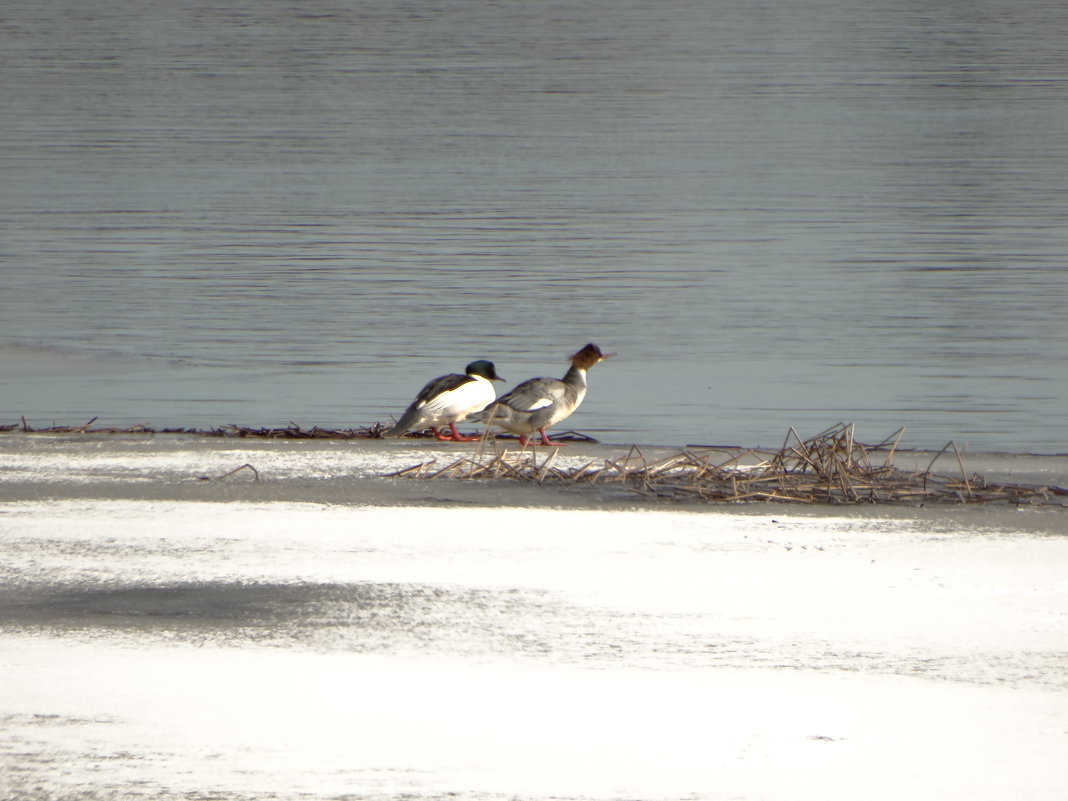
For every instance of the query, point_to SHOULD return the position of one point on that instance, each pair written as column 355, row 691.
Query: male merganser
column 539, row 403
column 448, row 399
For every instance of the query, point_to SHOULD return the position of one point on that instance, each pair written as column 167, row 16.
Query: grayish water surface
column 780, row 214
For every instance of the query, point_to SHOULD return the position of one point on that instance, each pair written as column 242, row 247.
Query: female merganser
column 539, row 403
column 448, row 399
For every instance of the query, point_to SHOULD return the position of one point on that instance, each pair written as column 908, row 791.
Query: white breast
column 472, row 396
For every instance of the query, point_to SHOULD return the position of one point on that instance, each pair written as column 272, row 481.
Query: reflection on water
column 777, row 218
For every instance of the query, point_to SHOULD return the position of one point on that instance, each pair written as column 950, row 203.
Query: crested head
column 589, row 356
column 484, row 369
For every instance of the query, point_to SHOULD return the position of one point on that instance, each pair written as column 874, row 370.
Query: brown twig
column 830, row 468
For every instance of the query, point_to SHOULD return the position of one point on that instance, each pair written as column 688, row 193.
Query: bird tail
column 402, row 426
column 493, row 413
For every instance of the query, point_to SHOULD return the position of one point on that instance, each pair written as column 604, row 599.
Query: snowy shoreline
column 191, row 467
column 325, row 633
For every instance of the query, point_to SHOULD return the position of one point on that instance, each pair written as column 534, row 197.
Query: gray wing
column 534, row 394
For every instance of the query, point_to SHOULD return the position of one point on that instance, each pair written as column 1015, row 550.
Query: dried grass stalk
column 830, row 468
column 292, row 431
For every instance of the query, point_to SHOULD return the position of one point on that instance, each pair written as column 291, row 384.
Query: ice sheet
column 174, row 649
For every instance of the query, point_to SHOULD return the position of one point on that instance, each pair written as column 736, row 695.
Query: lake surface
column 779, row 214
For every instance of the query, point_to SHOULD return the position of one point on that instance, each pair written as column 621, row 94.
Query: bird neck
column 576, row 376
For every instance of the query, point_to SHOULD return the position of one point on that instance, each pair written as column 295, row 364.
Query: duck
column 538, row 403
column 448, row 399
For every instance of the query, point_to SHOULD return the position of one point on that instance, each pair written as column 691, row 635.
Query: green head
column 483, row 368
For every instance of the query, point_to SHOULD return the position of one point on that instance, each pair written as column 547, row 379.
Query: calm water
column 780, row 214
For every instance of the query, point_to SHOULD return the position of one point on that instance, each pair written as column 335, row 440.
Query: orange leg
column 545, row 438
column 458, row 437
column 452, row 435
column 524, row 440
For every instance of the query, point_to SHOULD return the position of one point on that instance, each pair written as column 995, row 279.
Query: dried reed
column 829, row 468
column 292, row 431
